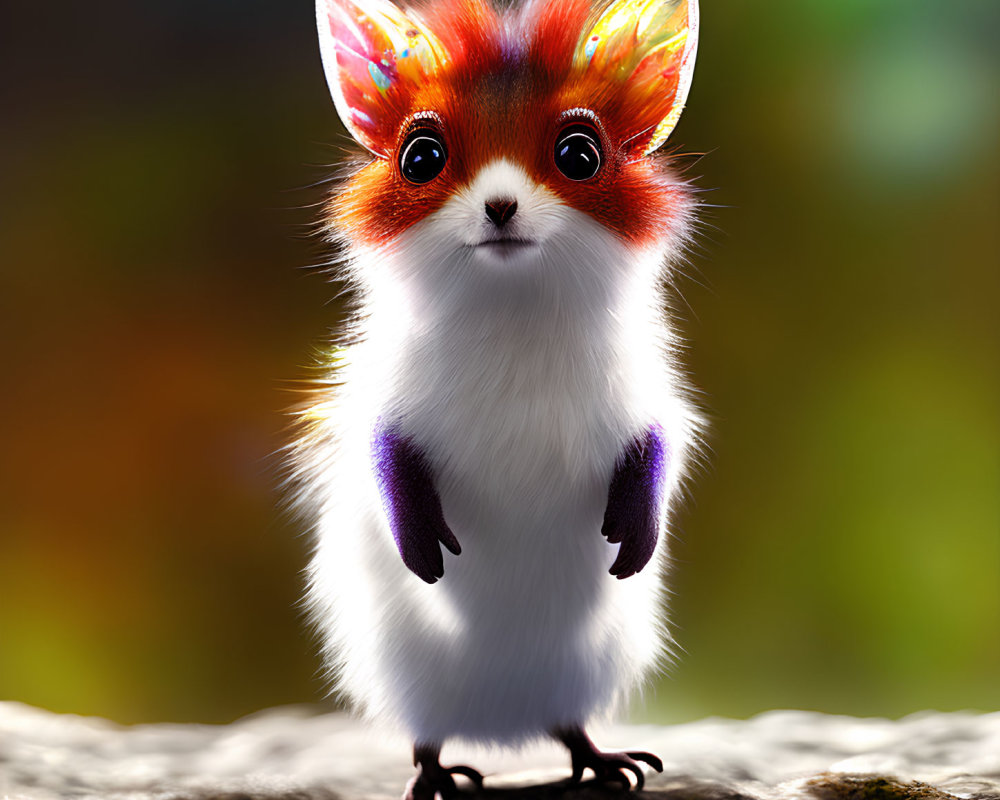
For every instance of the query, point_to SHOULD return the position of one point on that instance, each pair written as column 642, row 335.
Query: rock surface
column 297, row 754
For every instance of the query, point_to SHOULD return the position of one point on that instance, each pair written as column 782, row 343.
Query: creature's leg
column 433, row 779
column 605, row 766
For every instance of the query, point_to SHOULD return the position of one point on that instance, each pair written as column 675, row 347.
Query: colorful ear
column 375, row 58
column 650, row 46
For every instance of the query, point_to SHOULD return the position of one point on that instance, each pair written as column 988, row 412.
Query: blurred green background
column 842, row 550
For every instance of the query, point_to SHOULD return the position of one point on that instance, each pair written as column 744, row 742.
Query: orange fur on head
column 502, row 86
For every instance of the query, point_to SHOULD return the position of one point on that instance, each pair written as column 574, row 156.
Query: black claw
column 640, row 779
column 473, row 775
column 622, row 778
column 647, row 758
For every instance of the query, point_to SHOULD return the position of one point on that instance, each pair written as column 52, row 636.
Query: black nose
column 500, row 211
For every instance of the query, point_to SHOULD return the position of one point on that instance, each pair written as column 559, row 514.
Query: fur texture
column 522, row 374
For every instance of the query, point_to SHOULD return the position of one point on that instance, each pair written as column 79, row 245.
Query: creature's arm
column 632, row 517
column 411, row 503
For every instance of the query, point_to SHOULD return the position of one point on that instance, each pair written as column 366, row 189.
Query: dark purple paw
column 412, row 505
column 632, row 516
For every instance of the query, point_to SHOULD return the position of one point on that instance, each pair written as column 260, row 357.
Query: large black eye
column 578, row 152
column 423, row 156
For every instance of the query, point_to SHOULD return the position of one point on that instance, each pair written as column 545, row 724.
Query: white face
column 525, row 216
column 542, row 250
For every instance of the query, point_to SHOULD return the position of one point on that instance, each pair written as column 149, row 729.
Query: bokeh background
column 157, row 171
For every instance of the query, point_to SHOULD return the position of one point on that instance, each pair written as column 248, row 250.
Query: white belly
column 522, row 396
column 527, row 630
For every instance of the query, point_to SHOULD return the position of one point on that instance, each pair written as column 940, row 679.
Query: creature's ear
column 649, row 46
column 375, row 58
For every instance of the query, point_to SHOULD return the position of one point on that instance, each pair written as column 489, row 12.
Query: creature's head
column 502, row 138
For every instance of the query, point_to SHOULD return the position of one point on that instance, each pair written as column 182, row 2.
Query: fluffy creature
column 494, row 459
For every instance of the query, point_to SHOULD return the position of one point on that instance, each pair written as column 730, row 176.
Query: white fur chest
column 516, row 379
column 513, row 408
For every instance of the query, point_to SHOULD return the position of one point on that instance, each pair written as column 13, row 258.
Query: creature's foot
column 605, row 766
column 432, row 779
